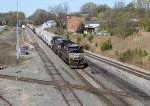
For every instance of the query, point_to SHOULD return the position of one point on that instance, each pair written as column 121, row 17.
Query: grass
column 8, row 49
column 5, row 32
column 120, row 46
column 6, row 57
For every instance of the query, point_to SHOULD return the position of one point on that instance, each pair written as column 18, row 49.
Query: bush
column 141, row 53
column 107, row 45
column 86, row 47
column 68, row 34
column 149, row 59
column 81, row 28
column 79, row 39
column 90, row 38
column 59, row 31
column 96, row 44
column 85, row 33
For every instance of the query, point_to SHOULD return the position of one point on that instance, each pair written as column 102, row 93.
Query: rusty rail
column 3, row 99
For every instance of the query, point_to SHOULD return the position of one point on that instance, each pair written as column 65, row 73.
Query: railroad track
column 43, row 82
column 120, row 66
column 68, row 94
column 24, row 36
column 62, row 85
column 7, row 103
column 111, row 96
column 126, row 87
column 105, row 92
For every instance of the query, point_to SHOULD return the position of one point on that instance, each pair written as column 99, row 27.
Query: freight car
column 47, row 37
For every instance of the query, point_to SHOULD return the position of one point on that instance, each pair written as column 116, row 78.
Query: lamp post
column 17, row 45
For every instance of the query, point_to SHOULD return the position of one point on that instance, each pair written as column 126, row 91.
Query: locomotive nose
column 76, row 55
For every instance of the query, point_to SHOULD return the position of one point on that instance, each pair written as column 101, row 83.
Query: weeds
column 86, row 47
column 149, row 59
column 96, row 44
column 67, row 36
column 79, row 39
column 6, row 57
column 129, row 55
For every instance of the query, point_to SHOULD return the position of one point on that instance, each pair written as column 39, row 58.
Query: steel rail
column 3, row 99
column 120, row 66
column 54, row 74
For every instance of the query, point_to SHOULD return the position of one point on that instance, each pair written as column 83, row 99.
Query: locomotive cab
column 73, row 54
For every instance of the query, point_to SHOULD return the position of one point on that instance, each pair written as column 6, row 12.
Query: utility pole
column 17, row 45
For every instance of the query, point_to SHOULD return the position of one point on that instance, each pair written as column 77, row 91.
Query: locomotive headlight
column 75, row 55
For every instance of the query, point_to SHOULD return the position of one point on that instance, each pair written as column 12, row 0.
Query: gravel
column 29, row 94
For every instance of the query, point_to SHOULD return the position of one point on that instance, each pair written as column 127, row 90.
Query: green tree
column 40, row 16
column 10, row 17
column 59, row 12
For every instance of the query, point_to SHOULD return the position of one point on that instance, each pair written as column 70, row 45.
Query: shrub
column 142, row 53
column 86, row 47
column 96, row 44
column 81, row 28
column 90, row 38
column 67, row 36
column 58, row 31
column 149, row 59
column 107, row 45
column 69, row 33
column 84, row 35
column 79, row 39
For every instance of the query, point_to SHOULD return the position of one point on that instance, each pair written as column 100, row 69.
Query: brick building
column 73, row 22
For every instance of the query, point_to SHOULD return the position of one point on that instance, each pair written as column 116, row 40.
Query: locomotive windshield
column 78, row 49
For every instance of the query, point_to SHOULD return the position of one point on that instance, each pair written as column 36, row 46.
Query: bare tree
column 60, row 11
column 119, row 5
column 142, row 4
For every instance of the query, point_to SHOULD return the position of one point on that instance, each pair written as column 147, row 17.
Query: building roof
column 94, row 22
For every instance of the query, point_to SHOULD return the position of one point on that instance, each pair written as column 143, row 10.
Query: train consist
column 72, row 53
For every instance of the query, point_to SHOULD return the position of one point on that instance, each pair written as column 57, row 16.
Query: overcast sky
column 29, row 6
